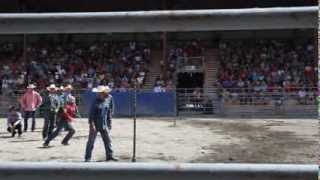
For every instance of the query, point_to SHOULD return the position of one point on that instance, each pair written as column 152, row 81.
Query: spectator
column 265, row 66
column 159, row 89
column 87, row 65
column 302, row 96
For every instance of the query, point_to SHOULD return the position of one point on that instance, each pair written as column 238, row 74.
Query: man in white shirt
column 158, row 89
column 302, row 96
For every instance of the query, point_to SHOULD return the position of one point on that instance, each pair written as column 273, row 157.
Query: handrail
column 138, row 171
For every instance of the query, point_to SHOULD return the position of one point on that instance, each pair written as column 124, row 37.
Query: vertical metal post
column 164, row 51
column 176, row 95
column 25, row 54
column 134, row 122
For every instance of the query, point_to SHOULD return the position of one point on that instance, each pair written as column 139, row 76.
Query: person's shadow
column 22, row 141
column 6, row 137
column 47, row 147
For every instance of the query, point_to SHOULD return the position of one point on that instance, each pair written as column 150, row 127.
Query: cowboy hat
column 31, row 86
column 102, row 89
column 52, row 87
column 68, row 87
column 71, row 99
column 61, row 88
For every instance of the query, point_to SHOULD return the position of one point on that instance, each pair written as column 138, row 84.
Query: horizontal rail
column 171, row 21
column 138, row 171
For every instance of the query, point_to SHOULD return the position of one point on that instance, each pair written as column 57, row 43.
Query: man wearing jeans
column 100, row 121
column 68, row 117
column 51, row 106
column 30, row 102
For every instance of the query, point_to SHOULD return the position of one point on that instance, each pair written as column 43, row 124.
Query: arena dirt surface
column 198, row 140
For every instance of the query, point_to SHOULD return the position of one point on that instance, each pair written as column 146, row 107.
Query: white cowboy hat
column 100, row 89
column 61, row 88
column 68, row 87
column 31, row 86
column 52, row 87
column 71, row 99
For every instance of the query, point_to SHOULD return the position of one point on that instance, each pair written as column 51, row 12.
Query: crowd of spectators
column 246, row 66
column 178, row 53
column 259, row 67
column 119, row 65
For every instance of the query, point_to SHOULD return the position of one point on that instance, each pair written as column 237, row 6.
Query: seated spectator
column 169, row 86
column 82, row 64
column 159, row 89
column 266, row 66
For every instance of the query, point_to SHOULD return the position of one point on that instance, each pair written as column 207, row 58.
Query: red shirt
column 70, row 111
column 30, row 101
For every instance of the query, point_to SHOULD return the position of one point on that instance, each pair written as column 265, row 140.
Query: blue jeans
column 49, row 123
column 61, row 125
column 27, row 115
column 106, row 140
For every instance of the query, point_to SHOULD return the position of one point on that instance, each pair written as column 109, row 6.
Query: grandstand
column 206, row 68
column 247, row 71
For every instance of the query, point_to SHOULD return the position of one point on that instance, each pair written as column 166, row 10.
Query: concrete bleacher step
column 154, row 69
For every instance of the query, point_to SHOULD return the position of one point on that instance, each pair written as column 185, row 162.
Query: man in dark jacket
column 100, row 121
column 51, row 106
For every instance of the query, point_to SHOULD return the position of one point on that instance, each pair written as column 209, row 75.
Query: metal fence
column 248, row 101
column 215, row 101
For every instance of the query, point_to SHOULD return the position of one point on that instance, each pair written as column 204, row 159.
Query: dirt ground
column 201, row 140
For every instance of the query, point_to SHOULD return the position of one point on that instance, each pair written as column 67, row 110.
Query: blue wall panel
column 148, row 103
column 123, row 104
column 156, row 104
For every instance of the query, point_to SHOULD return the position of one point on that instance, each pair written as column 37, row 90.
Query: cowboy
column 51, row 106
column 30, row 102
column 68, row 116
column 99, row 115
column 60, row 93
column 67, row 93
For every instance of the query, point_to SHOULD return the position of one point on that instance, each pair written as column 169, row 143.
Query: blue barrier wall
column 158, row 104
column 148, row 103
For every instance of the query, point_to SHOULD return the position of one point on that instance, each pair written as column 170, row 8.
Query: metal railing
column 190, row 64
column 138, row 171
column 248, row 101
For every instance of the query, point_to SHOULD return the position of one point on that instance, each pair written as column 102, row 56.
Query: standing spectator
column 302, row 96
column 51, row 106
column 220, row 96
column 30, row 102
column 197, row 97
column 69, row 114
column 98, row 122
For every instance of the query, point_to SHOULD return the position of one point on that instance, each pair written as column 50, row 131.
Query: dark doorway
column 190, row 80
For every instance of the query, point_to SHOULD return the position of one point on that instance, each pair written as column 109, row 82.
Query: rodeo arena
column 162, row 90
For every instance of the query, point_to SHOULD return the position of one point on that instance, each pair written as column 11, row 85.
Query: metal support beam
column 158, row 21
column 138, row 171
